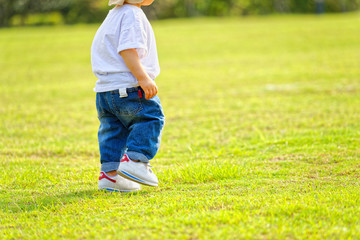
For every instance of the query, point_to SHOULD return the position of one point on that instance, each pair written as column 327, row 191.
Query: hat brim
column 121, row 2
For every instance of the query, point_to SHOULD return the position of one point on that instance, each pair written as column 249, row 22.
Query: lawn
column 261, row 139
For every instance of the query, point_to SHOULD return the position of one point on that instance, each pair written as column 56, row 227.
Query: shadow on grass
column 54, row 201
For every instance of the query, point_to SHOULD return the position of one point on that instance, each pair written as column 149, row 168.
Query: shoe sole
column 135, row 179
column 116, row 190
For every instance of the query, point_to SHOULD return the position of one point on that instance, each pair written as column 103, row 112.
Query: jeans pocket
column 127, row 106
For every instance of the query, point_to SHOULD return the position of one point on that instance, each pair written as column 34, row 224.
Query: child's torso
column 114, row 34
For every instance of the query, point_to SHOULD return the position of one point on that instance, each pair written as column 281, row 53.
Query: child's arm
column 132, row 61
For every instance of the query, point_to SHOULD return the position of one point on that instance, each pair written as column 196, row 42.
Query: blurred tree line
column 72, row 11
column 88, row 11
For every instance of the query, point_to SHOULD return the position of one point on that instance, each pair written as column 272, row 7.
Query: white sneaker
column 117, row 184
column 137, row 171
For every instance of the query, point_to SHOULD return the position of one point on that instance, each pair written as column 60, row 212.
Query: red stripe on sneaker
column 125, row 159
column 103, row 175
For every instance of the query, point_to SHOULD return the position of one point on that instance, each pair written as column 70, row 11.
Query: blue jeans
column 130, row 125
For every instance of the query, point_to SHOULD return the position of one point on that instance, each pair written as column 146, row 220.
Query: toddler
column 124, row 60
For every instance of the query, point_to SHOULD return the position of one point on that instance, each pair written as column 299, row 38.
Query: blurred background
column 53, row 12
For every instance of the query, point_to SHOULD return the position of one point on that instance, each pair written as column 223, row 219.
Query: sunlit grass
column 261, row 138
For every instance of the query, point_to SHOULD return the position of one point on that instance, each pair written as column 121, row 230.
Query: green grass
column 261, row 140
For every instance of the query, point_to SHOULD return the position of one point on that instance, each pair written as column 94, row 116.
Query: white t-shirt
column 124, row 27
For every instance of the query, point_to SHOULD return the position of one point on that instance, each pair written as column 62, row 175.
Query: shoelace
column 148, row 167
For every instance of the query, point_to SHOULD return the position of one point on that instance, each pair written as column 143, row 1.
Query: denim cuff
column 137, row 156
column 110, row 166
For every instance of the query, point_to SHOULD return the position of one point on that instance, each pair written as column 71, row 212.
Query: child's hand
column 132, row 60
column 149, row 87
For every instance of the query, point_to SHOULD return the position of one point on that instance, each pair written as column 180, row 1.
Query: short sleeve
column 132, row 34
